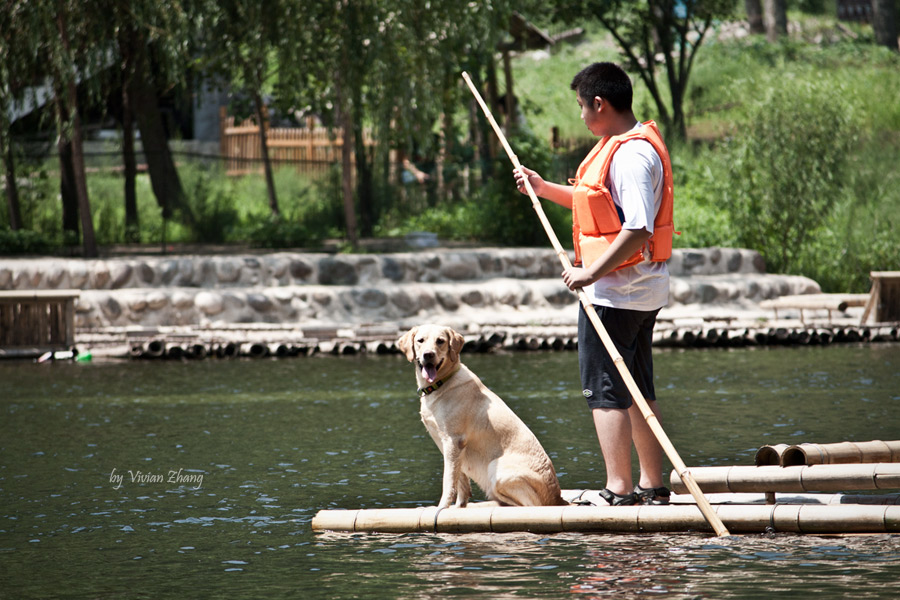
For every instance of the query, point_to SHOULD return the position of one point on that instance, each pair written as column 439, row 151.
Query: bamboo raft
column 747, row 499
column 738, row 518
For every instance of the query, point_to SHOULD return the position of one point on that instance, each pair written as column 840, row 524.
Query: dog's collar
column 424, row 391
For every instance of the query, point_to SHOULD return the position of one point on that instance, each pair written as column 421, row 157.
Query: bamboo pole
column 744, row 518
column 641, row 403
column 816, row 478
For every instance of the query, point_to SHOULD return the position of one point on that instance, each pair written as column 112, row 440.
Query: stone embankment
column 303, row 302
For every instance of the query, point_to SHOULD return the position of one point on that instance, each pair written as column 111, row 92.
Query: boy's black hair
column 606, row 80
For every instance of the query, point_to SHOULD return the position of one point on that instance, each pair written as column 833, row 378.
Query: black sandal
column 614, row 499
column 655, row 496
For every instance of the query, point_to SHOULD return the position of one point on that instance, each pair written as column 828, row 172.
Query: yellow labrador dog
column 479, row 435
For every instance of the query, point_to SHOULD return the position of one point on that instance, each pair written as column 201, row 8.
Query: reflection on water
column 182, row 479
column 596, row 566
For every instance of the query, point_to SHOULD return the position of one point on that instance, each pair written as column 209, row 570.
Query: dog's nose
column 428, row 356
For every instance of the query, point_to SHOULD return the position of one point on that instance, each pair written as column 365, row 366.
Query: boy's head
column 606, row 80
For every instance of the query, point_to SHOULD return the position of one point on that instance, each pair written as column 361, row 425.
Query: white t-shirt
column 635, row 180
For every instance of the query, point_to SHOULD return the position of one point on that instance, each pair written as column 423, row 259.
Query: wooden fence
column 311, row 149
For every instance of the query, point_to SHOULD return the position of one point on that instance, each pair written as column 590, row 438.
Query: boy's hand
column 576, row 277
column 537, row 182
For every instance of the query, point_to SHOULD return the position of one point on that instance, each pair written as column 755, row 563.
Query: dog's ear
column 457, row 341
column 407, row 345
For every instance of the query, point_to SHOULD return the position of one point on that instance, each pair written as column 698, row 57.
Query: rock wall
column 500, row 285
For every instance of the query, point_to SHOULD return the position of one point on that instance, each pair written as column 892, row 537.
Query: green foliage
column 213, row 205
column 495, row 211
column 506, row 216
column 700, row 216
column 23, row 241
column 787, row 170
column 310, row 214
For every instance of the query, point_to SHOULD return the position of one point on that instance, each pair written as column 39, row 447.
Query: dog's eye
column 440, row 341
column 420, row 341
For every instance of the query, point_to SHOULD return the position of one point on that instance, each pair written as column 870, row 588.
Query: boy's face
column 590, row 113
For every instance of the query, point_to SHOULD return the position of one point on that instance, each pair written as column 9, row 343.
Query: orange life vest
column 595, row 220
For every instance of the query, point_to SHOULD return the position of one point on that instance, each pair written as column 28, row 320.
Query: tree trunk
column 755, row 15
column 163, row 175
column 127, row 39
column 67, row 193
column 132, row 223
column 884, row 22
column 263, row 121
column 346, row 122
column 363, row 171
column 775, row 19
column 510, row 107
column 12, row 190
column 490, row 143
column 89, row 242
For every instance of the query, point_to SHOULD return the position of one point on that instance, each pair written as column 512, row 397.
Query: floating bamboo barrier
column 822, row 454
column 794, row 518
column 292, row 341
column 816, row 478
column 841, row 453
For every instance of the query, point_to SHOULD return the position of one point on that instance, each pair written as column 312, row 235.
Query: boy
column 621, row 201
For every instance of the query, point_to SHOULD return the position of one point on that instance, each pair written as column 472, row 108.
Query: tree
column 652, row 31
column 14, row 62
column 160, row 32
column 775, row 19
column 121, row 29
column 755, row 16
column 239, row 46
column 45, row 40
column 391, row 68
column 59, row 32
column 884, row 21
column 310, row 75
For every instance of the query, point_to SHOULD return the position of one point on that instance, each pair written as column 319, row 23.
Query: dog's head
column 434, row 348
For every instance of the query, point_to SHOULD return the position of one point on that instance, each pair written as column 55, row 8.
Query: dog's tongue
column 429, row 372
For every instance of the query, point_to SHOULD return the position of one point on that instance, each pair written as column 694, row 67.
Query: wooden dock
column 36, row 321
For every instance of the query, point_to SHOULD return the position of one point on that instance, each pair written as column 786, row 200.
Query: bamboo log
column 155, row 349
column 842, row 452
column 175, row 351
column 197, row 351
column 816, row 478
column 770, row 454
column 795, row 518
column 254, row 350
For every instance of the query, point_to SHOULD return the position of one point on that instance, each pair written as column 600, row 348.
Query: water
column 199, row 479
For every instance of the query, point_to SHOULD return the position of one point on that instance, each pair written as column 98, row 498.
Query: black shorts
column 632, row 333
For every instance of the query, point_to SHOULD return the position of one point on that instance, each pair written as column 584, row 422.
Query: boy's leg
column 606, row 393
column 614, row 431
column 650, row 453
column 617, row 420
